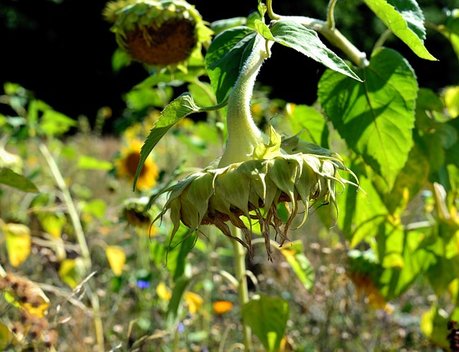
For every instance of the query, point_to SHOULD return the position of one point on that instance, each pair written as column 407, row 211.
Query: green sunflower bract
column 253, row 189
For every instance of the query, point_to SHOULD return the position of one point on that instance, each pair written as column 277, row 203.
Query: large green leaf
column 225, row 57
column 361, row 210
column 172, row 113
column 406, row 20
column 10, row 178
column 405, row 257
column 375, row 117
column 306, row 41
column 267, row 317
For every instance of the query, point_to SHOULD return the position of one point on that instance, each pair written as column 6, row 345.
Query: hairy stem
column 243, row 134
column 243, row 292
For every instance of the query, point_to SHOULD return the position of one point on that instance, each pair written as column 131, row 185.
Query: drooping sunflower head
column 157, row 32
column 126, row 166
column 253, row 190
column 136, row 213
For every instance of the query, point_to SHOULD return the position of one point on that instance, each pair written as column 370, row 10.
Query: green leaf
column 177, row 252
column 10, row 178
column 406, row 20
column 294, row 35
column 140, row 98
column 434, row 325
column 451, row 30
column 361, row 210
column 227, row 23
column 225, row 57
column 263, row 30
column 120, row 59
column 411, row 179
column 182, row 106
column 267, row 317
column 375, row 117
column 89, row 163
column 54, row 123
column 404, row 256
column 177, row 293
column 293, row 253
column 309, row 123
column 6, row 337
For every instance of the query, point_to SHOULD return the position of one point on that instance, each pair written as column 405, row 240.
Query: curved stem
column 272, row 15
column 243, row 134
column 331, row 14
column 334, row 36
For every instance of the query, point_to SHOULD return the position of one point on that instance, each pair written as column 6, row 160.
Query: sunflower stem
column 243, row 134
column 243, row 292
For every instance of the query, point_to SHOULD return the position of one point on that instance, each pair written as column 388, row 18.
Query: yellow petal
column 18, row 243
column 193, row 301
column 163, row 292
column 116, row 259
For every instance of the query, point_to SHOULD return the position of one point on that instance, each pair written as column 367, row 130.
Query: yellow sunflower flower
column 126, row 166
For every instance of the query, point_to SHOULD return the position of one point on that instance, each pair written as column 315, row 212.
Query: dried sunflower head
column 252, row 190
column 158, row 33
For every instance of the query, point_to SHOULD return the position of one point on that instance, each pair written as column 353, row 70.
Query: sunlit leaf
column 267, row 317
column 116, row 259
column 52, row 223
column 54, row 123
column 227, row 23
column 434, row 325
column 296, row 36
column 451, row 98
column 10, row 178
column 172, row 113
column 71, row 271
column 294, row 254
column 86, row 162
column 451, row 29
column 18, row 242
column 225, row 57
column 375, row 117
column 6, row 337
column 95, row 207
column 406, row 20
column 309, row 123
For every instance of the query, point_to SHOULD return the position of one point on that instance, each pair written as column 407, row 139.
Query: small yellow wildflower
column 126, row 166
column 222, row 307
column 193, row 301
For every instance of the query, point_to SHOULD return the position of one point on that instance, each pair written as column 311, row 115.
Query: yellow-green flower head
column 253, row 190
column 136, row 212
column 158, row 33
